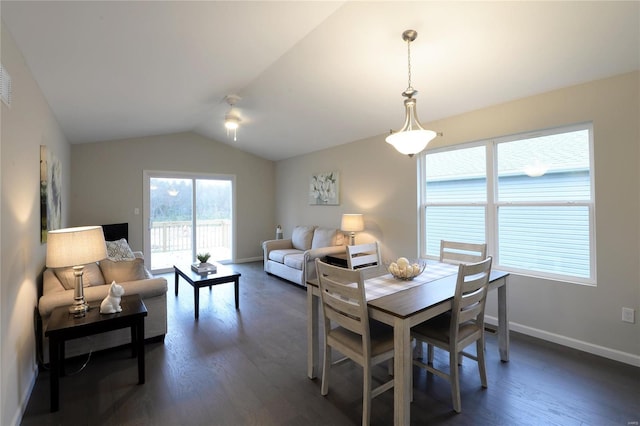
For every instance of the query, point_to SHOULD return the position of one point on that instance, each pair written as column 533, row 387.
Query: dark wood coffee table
column 224, row 274
column 64, row 326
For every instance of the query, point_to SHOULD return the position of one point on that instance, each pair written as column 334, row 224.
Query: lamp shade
column 352, row 222
column 75, row 246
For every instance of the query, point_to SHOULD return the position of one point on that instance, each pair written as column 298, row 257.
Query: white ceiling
column 311, row 74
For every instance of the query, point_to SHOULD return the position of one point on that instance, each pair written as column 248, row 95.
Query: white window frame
column 492, row 206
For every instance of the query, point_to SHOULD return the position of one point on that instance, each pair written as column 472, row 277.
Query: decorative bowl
column 406, row 269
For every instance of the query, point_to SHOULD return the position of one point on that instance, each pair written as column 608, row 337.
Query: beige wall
column 26, row 125
column 379, row 182
column 107, row 183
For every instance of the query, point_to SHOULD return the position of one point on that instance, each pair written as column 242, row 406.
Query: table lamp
column 76, row 247
column 352, row 223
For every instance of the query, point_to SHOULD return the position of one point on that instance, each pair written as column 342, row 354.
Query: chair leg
column 412, row 382
column 326, row 366
column 366, row 394
column 455, row 380
column 481, row 364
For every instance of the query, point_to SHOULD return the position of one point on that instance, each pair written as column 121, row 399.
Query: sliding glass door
column 187, row 214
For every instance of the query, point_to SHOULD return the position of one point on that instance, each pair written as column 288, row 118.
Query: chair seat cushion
column 381, row 338
column 279, row 255
column 438, row 328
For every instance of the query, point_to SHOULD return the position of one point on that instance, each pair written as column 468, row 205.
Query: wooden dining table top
column 414, row 298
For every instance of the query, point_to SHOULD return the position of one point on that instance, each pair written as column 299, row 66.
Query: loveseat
column 293, row 258
column 130, row 273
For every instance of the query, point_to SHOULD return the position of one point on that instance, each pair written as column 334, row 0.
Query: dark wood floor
column 248, row 367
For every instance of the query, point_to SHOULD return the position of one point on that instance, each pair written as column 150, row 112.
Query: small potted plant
column 203, row 257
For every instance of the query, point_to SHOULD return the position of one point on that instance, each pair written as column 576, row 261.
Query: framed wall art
column 324, row 189
column 50, row 193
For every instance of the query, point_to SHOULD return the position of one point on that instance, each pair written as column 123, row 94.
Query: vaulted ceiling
column 311, row 74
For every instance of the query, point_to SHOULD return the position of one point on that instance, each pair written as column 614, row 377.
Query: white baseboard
column 248, row 259
column 24, row 399
column 591, row 348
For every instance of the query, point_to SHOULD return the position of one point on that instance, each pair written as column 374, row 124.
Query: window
column 529, row 197
column 187, row 214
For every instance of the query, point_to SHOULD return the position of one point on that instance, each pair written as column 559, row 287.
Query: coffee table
column 224, row 274
column 64, row 326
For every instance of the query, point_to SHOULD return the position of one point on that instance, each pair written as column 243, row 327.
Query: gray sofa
column 97, row 277
column 293, row 258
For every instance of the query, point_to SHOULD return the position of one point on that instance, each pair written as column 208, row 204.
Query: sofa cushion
column 91, row 276
column 301, row 237
column 279, row 255
column 119, row 250
column 294, row 261
column 326, row 237
column 123, row 271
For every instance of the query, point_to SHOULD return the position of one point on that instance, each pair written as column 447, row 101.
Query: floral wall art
column 50, row 193
column 324, row 189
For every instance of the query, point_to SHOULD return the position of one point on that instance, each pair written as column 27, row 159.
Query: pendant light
column 231, row 119
column 412, row 138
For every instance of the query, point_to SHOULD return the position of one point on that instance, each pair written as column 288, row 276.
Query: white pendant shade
column 411, row 142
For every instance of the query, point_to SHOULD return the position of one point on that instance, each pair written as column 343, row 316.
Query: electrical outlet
column 628, row 315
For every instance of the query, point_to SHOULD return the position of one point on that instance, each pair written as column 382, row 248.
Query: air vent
column 6, row 88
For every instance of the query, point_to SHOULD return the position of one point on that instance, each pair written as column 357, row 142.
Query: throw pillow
column 301, row 237
column 91, row 276
column 119, row 250
column 324, row 237
column 123, row 270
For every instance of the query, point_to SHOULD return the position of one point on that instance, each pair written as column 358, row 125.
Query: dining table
column 403, row 304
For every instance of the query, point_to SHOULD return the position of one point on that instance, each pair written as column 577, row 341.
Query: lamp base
column 79, row 308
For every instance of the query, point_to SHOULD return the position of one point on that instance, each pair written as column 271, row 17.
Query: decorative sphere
column 402, row 262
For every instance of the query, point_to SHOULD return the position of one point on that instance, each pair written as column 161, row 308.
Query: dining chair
column 348, row 329
column 363, row 255
column 455, row 252
column 453, row 331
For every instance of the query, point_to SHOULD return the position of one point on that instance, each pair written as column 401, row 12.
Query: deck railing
column 177, row 235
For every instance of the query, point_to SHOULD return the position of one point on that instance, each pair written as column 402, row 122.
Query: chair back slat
column 363, row 254
column 455, row 252
column 469, row 313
